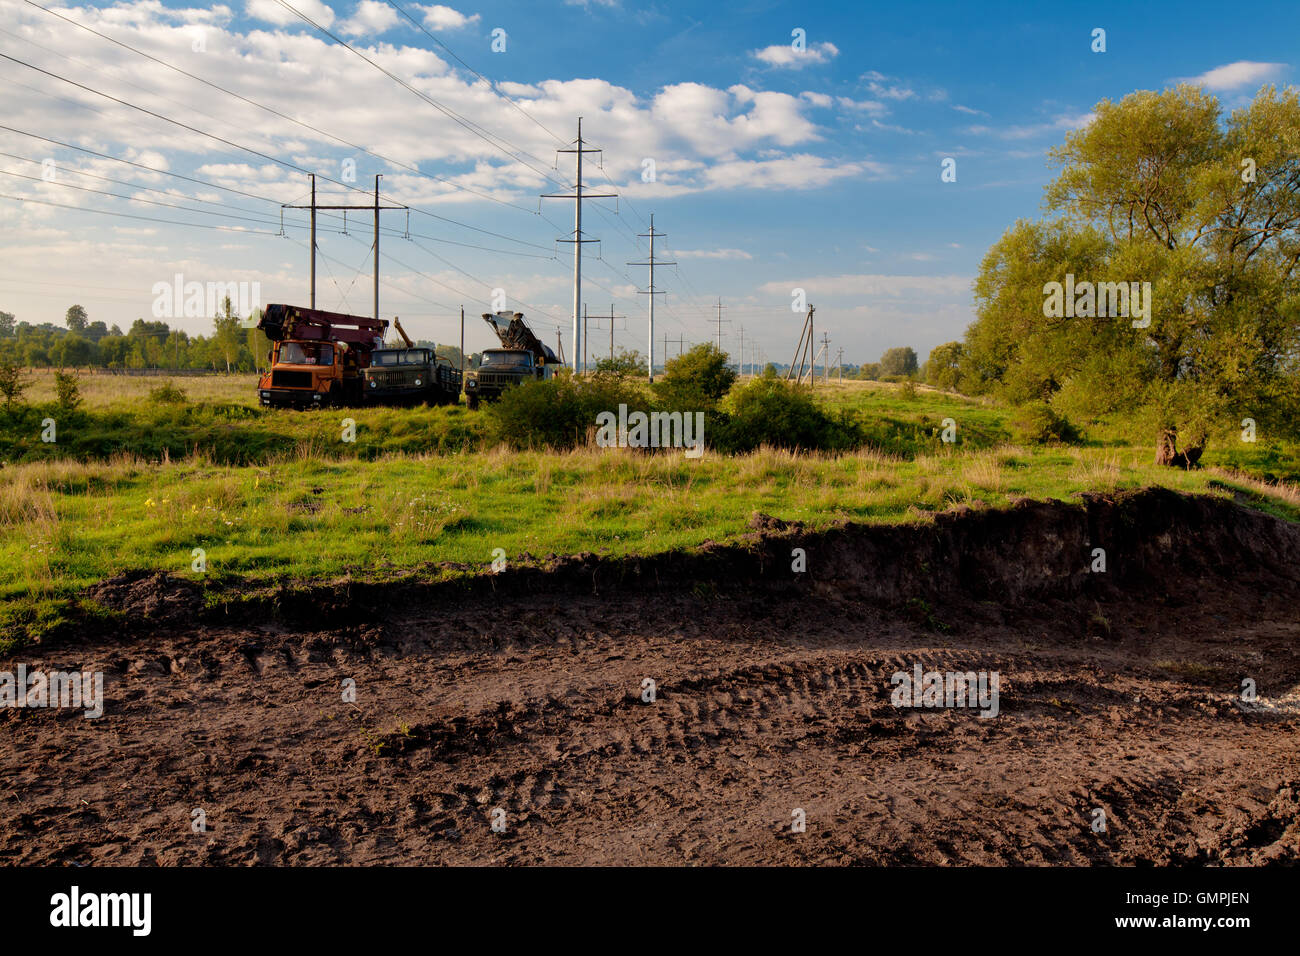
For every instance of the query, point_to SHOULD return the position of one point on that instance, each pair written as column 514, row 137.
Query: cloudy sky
column 778, row 145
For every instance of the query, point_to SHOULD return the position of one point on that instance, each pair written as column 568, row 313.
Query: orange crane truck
column 317, row 358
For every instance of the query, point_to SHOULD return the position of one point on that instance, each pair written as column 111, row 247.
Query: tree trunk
column 1167, row 452
column 1167, row 446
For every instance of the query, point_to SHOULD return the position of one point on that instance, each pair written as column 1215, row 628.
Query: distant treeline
column 233, row 346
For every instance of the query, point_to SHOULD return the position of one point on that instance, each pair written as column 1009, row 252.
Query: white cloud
column 884, row 286
column 968, row 110
column 784, row 56
column 438, row 17
column 873, row 107
column 370, row 18
column 272, row 12
column 1064, row 121
column 876, row 83
column 1232, row 76
column 713, row 254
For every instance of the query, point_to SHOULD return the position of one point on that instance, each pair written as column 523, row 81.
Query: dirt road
column 1119, row 691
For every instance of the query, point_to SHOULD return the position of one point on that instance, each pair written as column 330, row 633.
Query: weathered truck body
column 317, row 358
column 523, row 357
column 410, row 376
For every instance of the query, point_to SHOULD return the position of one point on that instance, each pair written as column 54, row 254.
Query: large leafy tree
column 1159, row 188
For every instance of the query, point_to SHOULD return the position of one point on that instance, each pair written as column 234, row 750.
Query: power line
column 652, row 292
column 272, row 110
column 577, row 196
column 451, row 114
column 492, row 85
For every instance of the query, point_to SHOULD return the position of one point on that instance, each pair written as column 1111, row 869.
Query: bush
column 624, row 365
column 696, row 380
column 558, row 413
column 13, row 383
column 773, row 412
column 167, row 394
column 67, row 390
column 1037, row 423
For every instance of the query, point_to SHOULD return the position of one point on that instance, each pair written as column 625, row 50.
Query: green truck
column 523, row 357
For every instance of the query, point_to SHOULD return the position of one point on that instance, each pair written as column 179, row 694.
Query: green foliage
column 769, row 370
column 167, row 393
column 1154, row 191
column 13, row 383
column 556, row 413
column 67, row 389
column 75, row 319
column 869, row 372
column 898, row 361
column 943, row 368
column 773, row 412
column 1037, row 423
column 623, row 365
column 695, row 380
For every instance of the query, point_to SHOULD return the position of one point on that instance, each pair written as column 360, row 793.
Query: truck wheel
column 472, row 401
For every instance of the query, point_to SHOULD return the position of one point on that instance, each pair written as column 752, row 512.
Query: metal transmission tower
column 610, row 318
column 718, row 322
column 312, row 254
column 578, row 196
column 652, row 292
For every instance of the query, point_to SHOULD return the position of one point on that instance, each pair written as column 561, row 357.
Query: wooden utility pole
column 578, row 196
column 462, row 346
column 375, row 207
column 803, row 351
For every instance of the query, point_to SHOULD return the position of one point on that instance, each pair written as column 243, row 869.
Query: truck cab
column 316, row 357
column 408, row 376
column 498, row 369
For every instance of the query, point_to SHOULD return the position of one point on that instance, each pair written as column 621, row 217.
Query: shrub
column 167, row 394
column 67, row 390
column 1037, row 423
column 558, row 413
column 13, row 383
column 624, row 365
column 696, row 380
column 769, row 411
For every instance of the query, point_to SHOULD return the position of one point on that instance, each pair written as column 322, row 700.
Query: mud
column 523, row 692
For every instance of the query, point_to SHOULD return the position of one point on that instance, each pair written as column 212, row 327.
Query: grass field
column 274, row 494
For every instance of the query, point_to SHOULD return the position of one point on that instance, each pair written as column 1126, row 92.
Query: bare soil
column 523, row 692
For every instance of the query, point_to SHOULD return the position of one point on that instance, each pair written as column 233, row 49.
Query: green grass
column 270, row 495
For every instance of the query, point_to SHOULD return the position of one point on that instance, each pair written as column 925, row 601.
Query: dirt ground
column 1118, row 690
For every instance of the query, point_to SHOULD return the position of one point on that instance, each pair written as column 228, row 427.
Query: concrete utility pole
column 312, row 245
column 718, row 341
column 652, row 262
column 826, row 362
column 742, row 351
column 839, row 363
column 578, row 196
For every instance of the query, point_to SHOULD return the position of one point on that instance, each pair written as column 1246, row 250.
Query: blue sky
column 775, row 169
